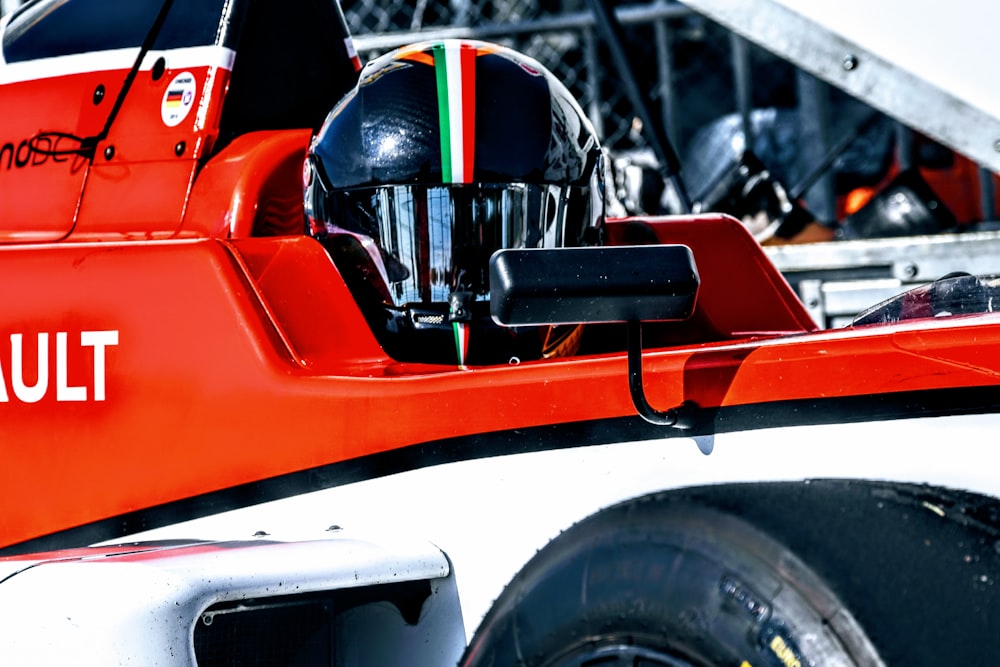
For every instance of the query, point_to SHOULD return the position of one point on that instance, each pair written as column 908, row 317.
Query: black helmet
column 443, row 153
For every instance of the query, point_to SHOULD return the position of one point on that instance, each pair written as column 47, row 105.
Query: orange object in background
column 957, row 183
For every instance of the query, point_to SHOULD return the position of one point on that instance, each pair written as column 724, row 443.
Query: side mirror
column 592, row 284
column 630, row 284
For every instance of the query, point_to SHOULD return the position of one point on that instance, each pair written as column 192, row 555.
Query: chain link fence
column 562, row 36
column 683, row 62
column 694, row 74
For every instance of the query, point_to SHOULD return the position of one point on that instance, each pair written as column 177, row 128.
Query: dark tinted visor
column 428, row 242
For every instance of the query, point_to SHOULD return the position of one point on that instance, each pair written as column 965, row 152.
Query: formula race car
column 210, row 458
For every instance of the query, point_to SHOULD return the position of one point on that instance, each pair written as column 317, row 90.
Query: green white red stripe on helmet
column 454, row 63
column 455, row 71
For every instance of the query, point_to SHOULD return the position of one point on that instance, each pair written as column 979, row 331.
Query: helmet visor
column 434, row 241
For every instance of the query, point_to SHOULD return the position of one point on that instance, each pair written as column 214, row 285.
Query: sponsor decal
column 13, row 377
column 38, row 150
column 783, row 652
column 781, row 649
column 178, row 99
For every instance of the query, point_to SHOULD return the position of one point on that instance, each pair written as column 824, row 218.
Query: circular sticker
column 178, row 99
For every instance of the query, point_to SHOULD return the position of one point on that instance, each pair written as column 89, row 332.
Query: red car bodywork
column 240, row 360
column 172, row 344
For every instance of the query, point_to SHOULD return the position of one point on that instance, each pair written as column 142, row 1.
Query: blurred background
column 692, row 72
column 752, row 132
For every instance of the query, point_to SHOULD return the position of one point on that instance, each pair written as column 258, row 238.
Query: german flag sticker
column 178, row 99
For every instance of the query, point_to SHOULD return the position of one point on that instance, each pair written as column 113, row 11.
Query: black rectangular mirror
column 531, row 286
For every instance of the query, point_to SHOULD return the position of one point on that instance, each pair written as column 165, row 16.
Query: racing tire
column 666, row 582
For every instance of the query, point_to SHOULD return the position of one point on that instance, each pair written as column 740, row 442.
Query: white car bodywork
column 141, row 604
column 491, row 515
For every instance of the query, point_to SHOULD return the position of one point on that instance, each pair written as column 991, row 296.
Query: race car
column 209, row 458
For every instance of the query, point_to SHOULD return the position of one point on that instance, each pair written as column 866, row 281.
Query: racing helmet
column 443, row 153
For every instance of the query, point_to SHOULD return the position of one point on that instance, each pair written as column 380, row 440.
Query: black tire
column 665, row 581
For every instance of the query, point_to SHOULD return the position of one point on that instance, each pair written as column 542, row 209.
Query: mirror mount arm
column 681, row 417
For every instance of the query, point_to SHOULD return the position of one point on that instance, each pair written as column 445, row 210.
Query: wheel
column 666, row 581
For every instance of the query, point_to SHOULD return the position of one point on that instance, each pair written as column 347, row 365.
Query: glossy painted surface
column 185, row 343
column 51, row 191
column 115, row 606
column 187, row 367
column 490, row 515
column 175, row 355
